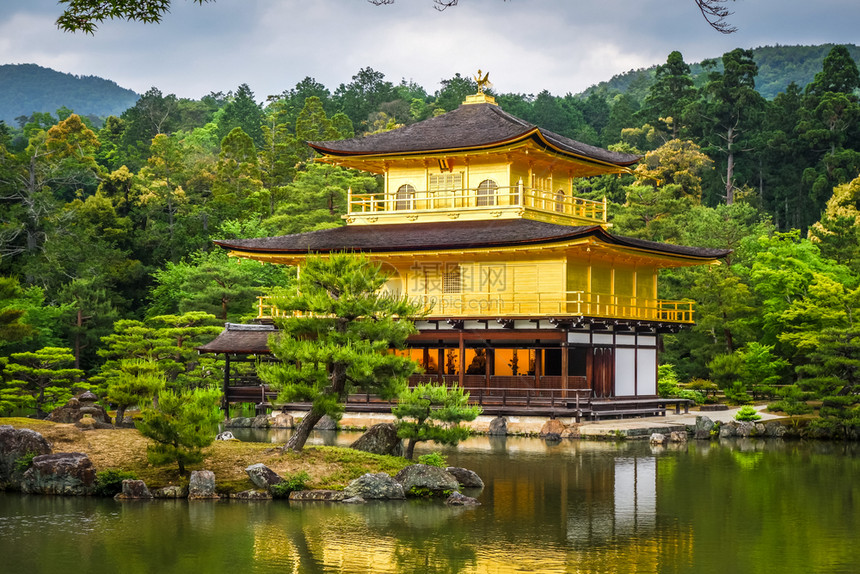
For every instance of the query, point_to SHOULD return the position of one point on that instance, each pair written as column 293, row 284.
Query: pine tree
column 43, row 378
column 181, row 426
column 136, row 381
column 336, row 336
column 433, row 412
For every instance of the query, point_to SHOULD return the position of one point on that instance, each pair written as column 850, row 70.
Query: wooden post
column 538, row 361
column 565, row 351
column 487, row 369
column 426, row 358
column 226, row 386
column 462, row 369
column 441, row 363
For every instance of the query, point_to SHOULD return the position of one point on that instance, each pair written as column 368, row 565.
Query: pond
column 577, row 506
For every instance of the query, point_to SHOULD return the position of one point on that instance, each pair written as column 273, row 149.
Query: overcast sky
column 526, row 45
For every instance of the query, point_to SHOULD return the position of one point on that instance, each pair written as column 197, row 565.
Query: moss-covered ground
column 125, row 449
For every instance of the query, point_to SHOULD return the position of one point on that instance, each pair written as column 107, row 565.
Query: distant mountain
column 778, row 66
column 28, row 88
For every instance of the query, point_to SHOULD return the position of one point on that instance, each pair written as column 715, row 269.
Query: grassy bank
column 125, row 449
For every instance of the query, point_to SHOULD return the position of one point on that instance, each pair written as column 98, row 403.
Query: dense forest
column 106, row 229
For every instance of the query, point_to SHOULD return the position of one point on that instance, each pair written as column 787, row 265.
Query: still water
column 742, row 506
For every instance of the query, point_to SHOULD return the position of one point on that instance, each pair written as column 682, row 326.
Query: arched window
column 405, row 198
column 559, row 201
column 486, row 193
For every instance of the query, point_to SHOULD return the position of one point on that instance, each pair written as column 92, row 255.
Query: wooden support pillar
column 426, row 358
column 462, row 369
column 226, row 386
column 565, row 352
column 491, row 364
column 538, row 365
column 487, row 369
column 441, row 363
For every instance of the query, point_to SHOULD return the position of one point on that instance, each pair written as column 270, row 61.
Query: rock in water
column 262, row 476
column 65, row 473
column 704, row 423
column 380, row 439
column 133, row 490
column 15, row 444
column 253, row 495
column 326, row 423
column 466, row 477
column 425, row 480
column 678, row 436
column 458, row 499
column 170, row 492
column 552, row 429
column 498, row 427
column 658, row 438
column 374, row 487
column 202, row 485
column 316, row 496
column 281, row 421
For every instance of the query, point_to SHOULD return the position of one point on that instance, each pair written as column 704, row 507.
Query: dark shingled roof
column 469, row 126
column 242, row 339
column 449, row 235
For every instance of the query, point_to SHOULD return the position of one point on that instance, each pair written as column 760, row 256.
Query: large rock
column 239, row 423
column 260, row 422
column 281, row 421
column 262, row 476
column 202, row 485
column 466, row 477
column 84, row 405
column 15, row 444
column 704, row 423
column 374, row 487
column 774, row 429
column 498, row 427
column 380, row 439
column 702, row 434
column 678, row 436
column 326, row 423
column 658, row 438
column 65, row 473
column 133, row 490
column 170, row 492
column 552, row 429
column 425, row 480
column 745, row 429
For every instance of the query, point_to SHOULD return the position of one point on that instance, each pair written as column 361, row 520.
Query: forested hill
column 29, row 88
column 778, row 66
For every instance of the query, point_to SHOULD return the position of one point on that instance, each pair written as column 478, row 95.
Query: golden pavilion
column 528, row 294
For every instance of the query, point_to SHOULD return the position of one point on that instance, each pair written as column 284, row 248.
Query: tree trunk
column 303, row 431
column 120, row 414
column 410, row 449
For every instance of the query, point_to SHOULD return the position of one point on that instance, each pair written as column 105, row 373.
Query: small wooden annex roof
column 469, row 127
column 454, row 235
column 240, row 339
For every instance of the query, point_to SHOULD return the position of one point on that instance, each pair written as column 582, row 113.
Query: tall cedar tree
column 433, row 412
column 336, row 335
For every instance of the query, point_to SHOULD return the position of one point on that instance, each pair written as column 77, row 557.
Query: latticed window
column 446, row 181
column 487, row 193
column 559, row 201
column 452, row 280
column 405, row 197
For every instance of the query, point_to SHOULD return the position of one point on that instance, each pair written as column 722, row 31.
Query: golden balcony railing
column 535, row 304
column 480, row 199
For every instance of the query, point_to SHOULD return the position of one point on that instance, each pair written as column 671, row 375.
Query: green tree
column 433, row 412
column 242, row 111
column 670, row 94
column 340, row 338
column 43, row 379
column 181, row 426
column 136, row 381
column 237, row 187
column 838, row 231
column 12, row 326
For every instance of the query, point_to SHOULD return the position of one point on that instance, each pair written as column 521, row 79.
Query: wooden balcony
column 530, row 305
column 499, row 202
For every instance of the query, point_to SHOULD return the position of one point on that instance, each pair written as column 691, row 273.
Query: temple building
column 527, row 291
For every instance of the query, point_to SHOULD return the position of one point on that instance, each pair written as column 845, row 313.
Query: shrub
column 433, row 459
column 747, row 413
column 109, row 482
column 25, row 462
column 291, row 482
